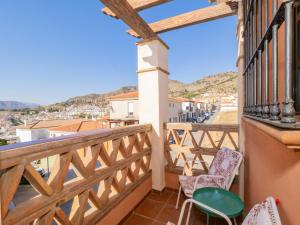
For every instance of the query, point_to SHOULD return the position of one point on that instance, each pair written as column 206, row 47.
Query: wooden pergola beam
column 124, row 11
column 138, row 5
column 195, row 17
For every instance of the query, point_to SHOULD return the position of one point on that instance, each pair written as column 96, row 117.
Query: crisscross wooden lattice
column 90, row 173
column 193, row 146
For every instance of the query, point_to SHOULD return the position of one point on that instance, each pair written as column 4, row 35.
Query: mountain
column 223, row 83
column 100, row 100
column 218, row 84
column 11, row 105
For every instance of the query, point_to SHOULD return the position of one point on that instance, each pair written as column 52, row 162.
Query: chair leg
column 189, row 214
column 178, row 197
column 234, row 221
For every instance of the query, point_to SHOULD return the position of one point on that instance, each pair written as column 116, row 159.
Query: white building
column 189, row 109
column 125, row 107
column 229, row 103
column 39, row 130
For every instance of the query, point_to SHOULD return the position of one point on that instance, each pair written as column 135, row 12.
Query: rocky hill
column 100, row 100
column 218, row 84
column 223, row 83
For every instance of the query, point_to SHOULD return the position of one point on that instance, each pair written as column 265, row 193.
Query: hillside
column 14, row 105
column 223, row 83
column 91, row 99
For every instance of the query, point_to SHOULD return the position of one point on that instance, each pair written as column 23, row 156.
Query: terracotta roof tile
column 45, row 124
column 79, row 126
column 128, row 95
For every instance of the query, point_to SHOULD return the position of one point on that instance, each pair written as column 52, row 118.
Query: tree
column 3, row 142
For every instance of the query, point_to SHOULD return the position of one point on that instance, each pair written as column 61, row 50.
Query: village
column 122, row 110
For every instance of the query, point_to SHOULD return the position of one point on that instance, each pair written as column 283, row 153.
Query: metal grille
column 257, row 102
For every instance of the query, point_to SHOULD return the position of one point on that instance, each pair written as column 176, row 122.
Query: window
column 297, row 72
column 130, row 109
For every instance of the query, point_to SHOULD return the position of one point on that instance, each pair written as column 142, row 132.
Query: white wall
column 119, row 109
column 174, row 109
column 25, row 135
column 54, row 134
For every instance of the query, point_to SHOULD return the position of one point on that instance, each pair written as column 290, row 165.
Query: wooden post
column 153, row 101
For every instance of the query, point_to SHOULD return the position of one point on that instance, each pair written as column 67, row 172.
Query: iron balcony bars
column 257, row 103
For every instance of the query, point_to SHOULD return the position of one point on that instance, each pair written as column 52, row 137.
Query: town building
column 40, row 130
column 124, row 109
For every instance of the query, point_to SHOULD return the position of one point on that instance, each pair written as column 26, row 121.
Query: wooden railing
column 195, row 145
column 89, row 174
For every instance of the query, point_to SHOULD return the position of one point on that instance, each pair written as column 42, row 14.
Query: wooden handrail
column 182, row 142
column 108, row 164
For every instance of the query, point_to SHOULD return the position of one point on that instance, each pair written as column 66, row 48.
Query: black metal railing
column 257, row 102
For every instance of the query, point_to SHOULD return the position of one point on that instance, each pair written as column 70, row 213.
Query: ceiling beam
column 187, row 19
column 124, row 11
column 138, row 5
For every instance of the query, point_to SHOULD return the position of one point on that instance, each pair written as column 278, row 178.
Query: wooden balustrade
column 89, row 174
column 187, row 144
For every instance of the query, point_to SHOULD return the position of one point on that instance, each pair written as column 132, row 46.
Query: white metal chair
column 221, row 173
column 265, row 213
column 192, row 201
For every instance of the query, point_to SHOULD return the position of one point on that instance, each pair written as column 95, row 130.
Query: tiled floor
column 159, row 208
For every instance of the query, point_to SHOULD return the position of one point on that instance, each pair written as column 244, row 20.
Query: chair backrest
column 226, row 164
column 265, row 213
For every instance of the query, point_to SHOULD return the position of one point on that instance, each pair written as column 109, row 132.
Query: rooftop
column 79, row 126
column 135, row 95
column 46, row 124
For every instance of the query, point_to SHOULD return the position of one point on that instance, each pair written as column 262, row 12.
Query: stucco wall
column 26, row 135
column 271, row 169
column 174, row 110
column 119, row 109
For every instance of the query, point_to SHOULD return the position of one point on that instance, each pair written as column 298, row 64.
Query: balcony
column 129, row 175
column 100, row 176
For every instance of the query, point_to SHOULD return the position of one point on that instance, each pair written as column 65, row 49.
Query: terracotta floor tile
column 157, row 223
column 169, row 213
column 173, row 199
column 160, row 196
column 149, row 208
column 137, row 220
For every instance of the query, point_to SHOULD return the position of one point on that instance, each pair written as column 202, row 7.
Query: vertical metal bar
column 250, row 54
column 245, row 56
column 255, row 59
column 275, row 111
column 266, row 107
column 259, row 83
column 288, row 110
column 248, row 57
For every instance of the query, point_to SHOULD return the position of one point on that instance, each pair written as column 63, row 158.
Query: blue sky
column 53, row 50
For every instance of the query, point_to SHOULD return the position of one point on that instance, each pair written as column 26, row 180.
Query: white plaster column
column 153, row 101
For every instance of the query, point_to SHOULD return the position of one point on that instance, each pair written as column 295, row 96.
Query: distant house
column 124, row 106
column 188, row 109
column 229, row 103
column 175, row 110
column 124, row 109
column 74, row 128
column 39, row 130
